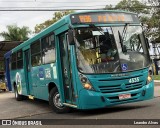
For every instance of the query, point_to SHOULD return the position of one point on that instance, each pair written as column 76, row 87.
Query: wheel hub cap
column 57, row 101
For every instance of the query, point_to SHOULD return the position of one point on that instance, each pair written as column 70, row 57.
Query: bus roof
column 103, row 11
column 56, row 25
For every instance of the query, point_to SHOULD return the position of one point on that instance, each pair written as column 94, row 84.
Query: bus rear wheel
column 55, row 102
column 18, row 96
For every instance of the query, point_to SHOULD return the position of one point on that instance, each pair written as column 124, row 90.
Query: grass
column 156, row 77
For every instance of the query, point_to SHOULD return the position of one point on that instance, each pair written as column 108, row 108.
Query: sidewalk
column 157, row 81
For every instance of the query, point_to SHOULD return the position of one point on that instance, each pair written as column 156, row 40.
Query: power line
column 55, row 7
column 51, row 8
column 64, row 9
column 60, row 2
column 72, row 7
column 55, row 1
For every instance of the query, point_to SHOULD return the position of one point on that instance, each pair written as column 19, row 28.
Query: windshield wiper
column 125, row 30
column 124, row 49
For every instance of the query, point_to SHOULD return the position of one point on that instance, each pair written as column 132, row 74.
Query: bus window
column 36, row 54
column 19, row 59
column 13, row 61
column 48, row 49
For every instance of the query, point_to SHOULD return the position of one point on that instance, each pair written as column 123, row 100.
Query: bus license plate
column 124, row 96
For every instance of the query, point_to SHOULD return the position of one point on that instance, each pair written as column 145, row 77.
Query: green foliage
column 156, row 77
column 15, row 33
column 148, row 15
column 56, row 17
column 133, row 6
column 109, row 7
column 154, row 21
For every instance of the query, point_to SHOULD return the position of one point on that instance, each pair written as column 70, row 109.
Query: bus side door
column 27, row 70
column 66, row 69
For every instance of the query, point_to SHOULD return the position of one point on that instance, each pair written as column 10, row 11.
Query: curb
column 157, row 81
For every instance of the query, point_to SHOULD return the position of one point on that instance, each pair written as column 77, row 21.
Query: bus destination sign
column 104, row 18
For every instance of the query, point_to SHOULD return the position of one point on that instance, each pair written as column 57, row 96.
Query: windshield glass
column 136, row 55
column 99, row 49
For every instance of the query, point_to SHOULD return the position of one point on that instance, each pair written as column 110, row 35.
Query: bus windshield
column 99, row 49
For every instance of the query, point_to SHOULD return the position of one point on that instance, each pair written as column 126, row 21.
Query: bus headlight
column 87, row 86
column 85, row 82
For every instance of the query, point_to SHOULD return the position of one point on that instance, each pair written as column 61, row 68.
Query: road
column 29, row 109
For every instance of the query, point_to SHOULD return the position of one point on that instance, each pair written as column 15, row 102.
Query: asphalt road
column 38, row 109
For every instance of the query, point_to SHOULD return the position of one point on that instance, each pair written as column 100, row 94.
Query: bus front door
column 27, row 70
column 66, row 69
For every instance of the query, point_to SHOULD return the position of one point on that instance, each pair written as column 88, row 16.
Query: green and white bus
column 86, row 60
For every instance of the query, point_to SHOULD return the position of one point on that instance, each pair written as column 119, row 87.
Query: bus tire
column 55, row 103
column 18, row 96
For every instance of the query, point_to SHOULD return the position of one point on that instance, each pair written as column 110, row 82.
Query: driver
column 107, row 51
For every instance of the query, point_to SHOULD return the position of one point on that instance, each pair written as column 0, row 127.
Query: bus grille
column 117, row 88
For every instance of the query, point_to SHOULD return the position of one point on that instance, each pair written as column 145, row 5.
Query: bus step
column 70, row 105
column 31, row 97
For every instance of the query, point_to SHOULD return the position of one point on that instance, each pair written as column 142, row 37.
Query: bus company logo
column 41, row 73
column 6, row 122
column 123, row 86
column 21, row 122
column 18, row 83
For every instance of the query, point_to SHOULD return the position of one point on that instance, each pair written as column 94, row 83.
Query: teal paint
column 41, row 76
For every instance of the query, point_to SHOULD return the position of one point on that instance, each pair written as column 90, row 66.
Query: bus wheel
column 55, row 102
column 17, row 96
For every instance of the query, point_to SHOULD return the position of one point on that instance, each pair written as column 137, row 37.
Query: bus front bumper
column 94, row 100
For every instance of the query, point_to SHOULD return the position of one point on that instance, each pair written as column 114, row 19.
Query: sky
column 31, row 18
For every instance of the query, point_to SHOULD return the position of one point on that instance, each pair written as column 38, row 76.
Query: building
column 6, row 46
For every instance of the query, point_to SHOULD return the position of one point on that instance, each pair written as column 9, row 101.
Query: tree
column 155, row 19
column 15, row 33
column 56, row 17
column 133, row 6
column 148, row 13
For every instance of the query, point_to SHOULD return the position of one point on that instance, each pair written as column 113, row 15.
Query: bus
column 86, row 60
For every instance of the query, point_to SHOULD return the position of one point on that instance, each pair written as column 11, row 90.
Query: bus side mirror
column 150, row 72
column 147, row 43
column 71, row 37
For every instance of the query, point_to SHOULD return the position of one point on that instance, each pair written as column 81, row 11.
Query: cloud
column 30, row 19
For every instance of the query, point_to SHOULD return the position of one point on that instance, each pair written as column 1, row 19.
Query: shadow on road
column 111, row 109
column 40, row 107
